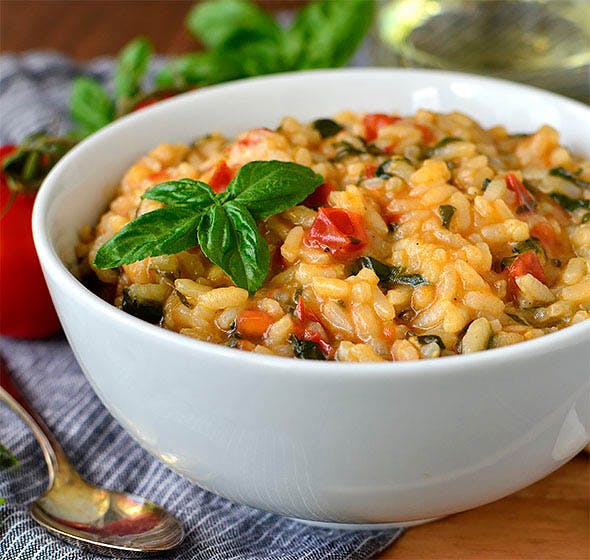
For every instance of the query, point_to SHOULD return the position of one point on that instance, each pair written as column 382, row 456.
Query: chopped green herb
column 531, row 244
column 586, row 218
column 306, row 349
column 149, row 311
column 382, row 171
column 346, row 149
column 382, row 270
column 570, row 204
column 388, row 276
column 565, row 174
column 444, row 142
column 485, row 184
column 223, row 225
column 428, row 338
column 506, row 262
column 7, row 459
column 327, row 127
column 446, row 212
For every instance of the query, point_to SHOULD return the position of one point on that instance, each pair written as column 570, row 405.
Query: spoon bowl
column 99, row 520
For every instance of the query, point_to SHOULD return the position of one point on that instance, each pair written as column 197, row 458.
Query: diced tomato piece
column 545, row 233
column 338, row 232
column 427, row 135
column 253, row 323
column 221, row 177
column 524, row 198
column 370, row 170
column 319, row 197
column 525, row 263
column 158, row 176
column 373, row 122
column 309, row 327
column 314, row 336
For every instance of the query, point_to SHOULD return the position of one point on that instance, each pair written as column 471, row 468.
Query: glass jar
column 545, row 43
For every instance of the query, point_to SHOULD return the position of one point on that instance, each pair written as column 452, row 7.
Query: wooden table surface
column 549, row 520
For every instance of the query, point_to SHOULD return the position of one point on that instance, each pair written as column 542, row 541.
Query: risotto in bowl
column 414, row 237
column 263, row 300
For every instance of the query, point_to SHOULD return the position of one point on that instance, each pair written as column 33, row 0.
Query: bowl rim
column 450, row 365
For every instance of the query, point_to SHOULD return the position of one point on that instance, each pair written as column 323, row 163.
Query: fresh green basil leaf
column 162, row 232
column 132, row 64
column 269, row 187
column 184, row 193
column 328, row 33
column 327, row 127
column 446, row 212
column 199, row 68
column 90, row 106
column 227, row 24
column 570, row 204
column 229, row 237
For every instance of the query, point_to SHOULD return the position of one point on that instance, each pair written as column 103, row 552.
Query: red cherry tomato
column 338, row 232
column 319, row 197
column 253, row 323
column 26, row 310
column 524, row 198
column 373, row 122
column 221, row 177
column 525, row 263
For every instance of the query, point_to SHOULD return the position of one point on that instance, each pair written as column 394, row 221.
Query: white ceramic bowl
column 330, row 442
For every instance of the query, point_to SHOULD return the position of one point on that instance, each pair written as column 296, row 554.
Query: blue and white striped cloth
column 33, row 94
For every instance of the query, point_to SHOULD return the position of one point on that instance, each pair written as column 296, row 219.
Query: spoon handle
column 53, row 453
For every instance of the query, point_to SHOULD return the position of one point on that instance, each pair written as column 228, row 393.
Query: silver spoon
column 102, row 521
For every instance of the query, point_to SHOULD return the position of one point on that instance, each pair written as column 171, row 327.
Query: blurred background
column 542, row 42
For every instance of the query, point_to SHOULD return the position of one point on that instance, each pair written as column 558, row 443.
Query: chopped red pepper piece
column 525, row 263
column 373, row 122
column 338, row 232
column 524, row 198
column 253, row 323
column 545, row 233
column 221, row 177
column 319, row 197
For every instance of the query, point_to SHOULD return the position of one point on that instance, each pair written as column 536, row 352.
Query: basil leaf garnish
column 269, row 187
column 228, row 236
column 184, row 192
column 161, row 232
column 224, row 224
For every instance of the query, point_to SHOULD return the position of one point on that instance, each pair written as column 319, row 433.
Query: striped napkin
column 33, row 94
